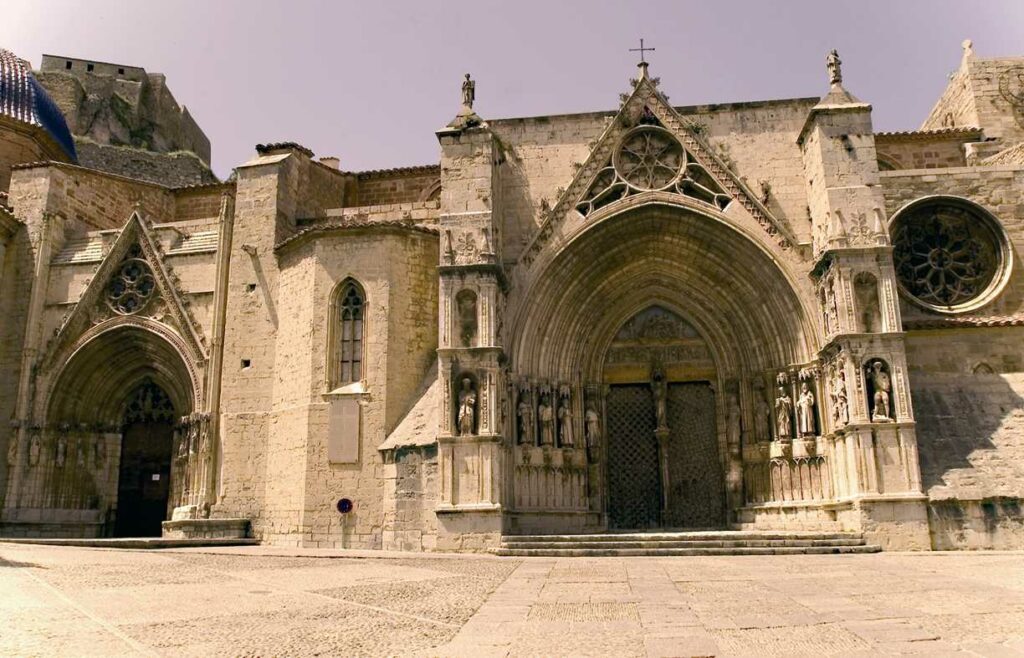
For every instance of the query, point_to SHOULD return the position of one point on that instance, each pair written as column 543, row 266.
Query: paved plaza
column 260, row 601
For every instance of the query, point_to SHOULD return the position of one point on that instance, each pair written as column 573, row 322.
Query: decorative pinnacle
column 835, row 68
column 968, row 47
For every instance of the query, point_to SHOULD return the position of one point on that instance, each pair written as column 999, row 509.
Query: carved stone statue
column 467, row 407
column 81, row 457
column 660, row 391
column 565, row 435
column 547, row 421
column 841, row 413
column 12, row 450
column 35, row 448
column 733, row 422
column 763, row 416
column 525, row 414
column 183, row 448
column 60, row 453
column 784, row 415
column 805, row 411
column 468, row 92
column 835, row 68
column 883, row 387
column 593, row 421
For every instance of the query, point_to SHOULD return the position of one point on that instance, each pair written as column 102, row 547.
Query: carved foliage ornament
column 649, row 158
column 946, row 256
column 132, row 287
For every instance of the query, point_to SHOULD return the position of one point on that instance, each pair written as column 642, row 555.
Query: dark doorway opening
column 144, row 480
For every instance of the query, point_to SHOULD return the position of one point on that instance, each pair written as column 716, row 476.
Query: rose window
column 650, row 158
column 132, row 286
column 949, row 256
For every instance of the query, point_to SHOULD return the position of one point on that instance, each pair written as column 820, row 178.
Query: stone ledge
column 206, row 529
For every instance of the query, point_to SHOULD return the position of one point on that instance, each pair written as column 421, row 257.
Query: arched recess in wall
column 432, row 192
column 887, row 163
column 691, row 261
column 345, row 334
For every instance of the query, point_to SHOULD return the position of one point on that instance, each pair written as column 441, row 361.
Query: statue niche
column 465, row 305
column 880, row 396
column 869, row 315
column 465, row 410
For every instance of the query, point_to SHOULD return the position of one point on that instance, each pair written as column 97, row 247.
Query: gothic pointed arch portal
column 732, row 317
column 120, row 445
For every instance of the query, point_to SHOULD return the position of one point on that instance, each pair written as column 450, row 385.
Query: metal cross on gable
column 641, row 50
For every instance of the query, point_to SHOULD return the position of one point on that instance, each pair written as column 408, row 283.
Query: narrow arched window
column 351, row 311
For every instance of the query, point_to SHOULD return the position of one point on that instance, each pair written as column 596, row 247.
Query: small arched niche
column 869, row 314
column 466, row 317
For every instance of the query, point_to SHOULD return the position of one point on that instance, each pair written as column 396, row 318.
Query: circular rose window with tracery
column 132, row 286
column 950, row 255
column 650, row 158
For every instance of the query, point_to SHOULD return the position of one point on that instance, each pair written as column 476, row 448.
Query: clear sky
column 371, row 81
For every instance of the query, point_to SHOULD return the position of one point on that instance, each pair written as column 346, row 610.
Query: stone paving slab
column 264, row 601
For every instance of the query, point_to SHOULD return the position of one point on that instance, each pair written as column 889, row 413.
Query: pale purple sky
column 371, row 81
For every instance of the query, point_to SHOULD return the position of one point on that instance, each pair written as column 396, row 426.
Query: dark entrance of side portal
column 143, row 486
column 694, row 488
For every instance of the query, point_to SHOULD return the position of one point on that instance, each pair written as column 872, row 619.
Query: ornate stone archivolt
column 950, row 255
column 649, row 159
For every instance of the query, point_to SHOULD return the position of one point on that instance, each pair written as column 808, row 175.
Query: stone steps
column 684, row 543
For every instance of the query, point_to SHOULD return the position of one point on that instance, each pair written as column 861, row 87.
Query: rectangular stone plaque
column 343, row 431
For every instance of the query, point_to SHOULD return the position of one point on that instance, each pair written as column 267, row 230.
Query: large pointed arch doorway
column 663, row 467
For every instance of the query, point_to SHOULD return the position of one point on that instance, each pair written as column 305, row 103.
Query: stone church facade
column 760, row 315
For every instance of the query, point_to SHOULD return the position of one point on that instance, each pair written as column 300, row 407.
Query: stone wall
column 177, row 169
column 17, row 145
column 987, row 93
column 922, row 150
column 971, row 435
column 405, row 185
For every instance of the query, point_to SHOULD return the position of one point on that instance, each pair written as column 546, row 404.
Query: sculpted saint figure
column 525, row 413
column 660, row 393
column 183, row 448
column 764, row 416
column 784, row 414
column 547, row 421
column 883, row 385
column 733, row 422
column 467, row 407
column 35, row 447
column 99, row 450
column 468, row 91
column 565, row 437
column 80, row 454
column 805, row 411
column 60, row 455
column 593, row 421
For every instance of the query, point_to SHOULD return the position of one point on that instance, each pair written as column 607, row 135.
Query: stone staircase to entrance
column 717, row 542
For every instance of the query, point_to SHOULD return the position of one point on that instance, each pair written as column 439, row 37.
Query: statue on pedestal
column 593, row 422
column 565, row 435
column 805, row 411
column 784, row 415
column 525, row 413
column 547, row 421
column 467, row 407
column 883, row 386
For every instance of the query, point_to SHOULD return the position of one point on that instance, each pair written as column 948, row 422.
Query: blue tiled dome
column 22, row 98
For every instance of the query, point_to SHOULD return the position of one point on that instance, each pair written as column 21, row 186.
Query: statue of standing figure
column 660, row 390
column 547, row 421
column 805, row 411
column 525, row 413
column 883, row 386
column 467, row 407
column 593, row 422
column 35, row 448
column 468, row 92
column 565, row 436
column 784, row 415
column 733, row 422
column 763, row 415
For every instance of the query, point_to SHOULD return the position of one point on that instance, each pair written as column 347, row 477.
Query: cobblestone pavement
column 281, row 602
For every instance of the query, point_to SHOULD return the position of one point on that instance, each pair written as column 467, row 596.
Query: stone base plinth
column 206, row 529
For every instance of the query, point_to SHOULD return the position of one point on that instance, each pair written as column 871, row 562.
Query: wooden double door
column 677, row 484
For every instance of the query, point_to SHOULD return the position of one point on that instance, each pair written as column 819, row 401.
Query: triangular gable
column 598, row 182
column 144, row 286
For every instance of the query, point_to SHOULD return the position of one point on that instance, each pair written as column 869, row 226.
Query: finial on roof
column 968, row 47
column 468, row 92
column 835, row 68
